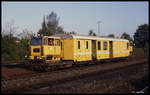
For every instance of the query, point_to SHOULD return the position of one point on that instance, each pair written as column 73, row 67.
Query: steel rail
column 142, row 90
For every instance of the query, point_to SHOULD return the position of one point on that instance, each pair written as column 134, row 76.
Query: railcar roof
column 71, row 36
column 52, row 37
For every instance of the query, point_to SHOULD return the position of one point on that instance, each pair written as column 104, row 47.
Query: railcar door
column 93, row 49
column 111, row 48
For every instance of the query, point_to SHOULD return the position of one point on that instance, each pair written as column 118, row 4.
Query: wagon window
column 61, row 45
column 78, row 44
column 105, row 45
column 99, row 45
column 127, row 45
column 86, row 44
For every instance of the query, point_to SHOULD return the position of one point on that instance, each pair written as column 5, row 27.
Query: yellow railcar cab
column 46, row 47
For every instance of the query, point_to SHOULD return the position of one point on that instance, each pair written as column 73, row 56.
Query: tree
column 13, row 47
column 73, row 32
column 43, row 31
column 126, row 36
column 26, row 34
column 8, row 45
column 10, row 29
column 111, row 35
column 91, row 33
column 141, row 36
column 59, row 30
column 50, row 25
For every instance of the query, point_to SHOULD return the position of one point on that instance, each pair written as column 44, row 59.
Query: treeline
column 16, row 47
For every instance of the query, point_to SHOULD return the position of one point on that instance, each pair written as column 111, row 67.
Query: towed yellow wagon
column 86, row 48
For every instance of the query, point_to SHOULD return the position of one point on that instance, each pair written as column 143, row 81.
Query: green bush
column 140, row 50
column 11, row 50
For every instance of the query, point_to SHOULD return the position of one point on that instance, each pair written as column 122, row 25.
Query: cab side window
column 57, row 42
column 45, row 41
column 50, row 42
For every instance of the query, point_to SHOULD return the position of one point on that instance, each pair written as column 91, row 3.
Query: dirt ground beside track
column 8, row 72
column 124, row 82
column 120, row 81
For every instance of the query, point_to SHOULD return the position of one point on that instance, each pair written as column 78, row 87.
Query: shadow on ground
column 141, row 83
column 19, row 65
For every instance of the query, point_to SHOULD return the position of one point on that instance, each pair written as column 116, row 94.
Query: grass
column 140, row 50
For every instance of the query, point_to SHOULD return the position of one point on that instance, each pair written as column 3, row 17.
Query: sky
column 115, row 17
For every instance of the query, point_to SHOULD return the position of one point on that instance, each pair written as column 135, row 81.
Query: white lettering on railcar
column 82, row 53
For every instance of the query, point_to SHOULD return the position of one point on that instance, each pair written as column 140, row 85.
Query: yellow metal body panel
column 102, row 54
column 120, row 49
column 35, row 53
column 68, row 49
column 71, row 52
column 47, row 51
column 51, row 50
column 131, row 49
column 82, row 54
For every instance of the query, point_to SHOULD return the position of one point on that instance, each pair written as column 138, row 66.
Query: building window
column 86, row 44
column 105, row 45
column 78, row 44
column 99, row 45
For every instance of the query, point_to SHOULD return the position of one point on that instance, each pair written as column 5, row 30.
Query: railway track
column 32, row 73
column 13, row 62
column 145, row 89
column 81, row 84
column 24, row 75
column 15, row 85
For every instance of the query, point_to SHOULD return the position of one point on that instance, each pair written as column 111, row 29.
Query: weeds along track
column 63, row 75
column 15, row 71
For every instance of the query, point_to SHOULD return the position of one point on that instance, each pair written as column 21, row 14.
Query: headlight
column 25, row 56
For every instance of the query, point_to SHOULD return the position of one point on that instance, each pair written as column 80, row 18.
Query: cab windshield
column 36, row 41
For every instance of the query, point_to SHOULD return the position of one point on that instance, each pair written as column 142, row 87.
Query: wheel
column 47, row 69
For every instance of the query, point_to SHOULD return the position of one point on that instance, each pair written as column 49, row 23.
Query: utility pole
column 99, row 27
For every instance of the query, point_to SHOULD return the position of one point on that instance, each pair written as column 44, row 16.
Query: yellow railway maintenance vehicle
column 66, row 49
column 44, row 52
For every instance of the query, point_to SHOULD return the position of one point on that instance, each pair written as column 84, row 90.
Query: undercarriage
column 47, row 65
